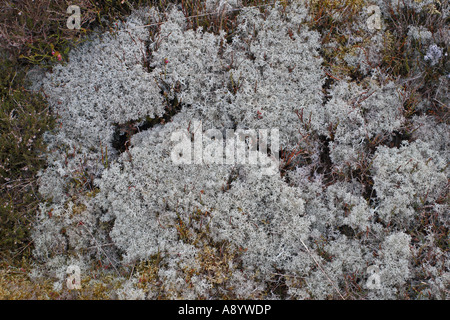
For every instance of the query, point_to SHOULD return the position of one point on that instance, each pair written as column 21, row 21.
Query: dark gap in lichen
column 124, row 132
column 396, row 139
column 325, row 163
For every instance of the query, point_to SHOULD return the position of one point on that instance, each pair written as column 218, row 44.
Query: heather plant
column 24, row 117
column 416, row 43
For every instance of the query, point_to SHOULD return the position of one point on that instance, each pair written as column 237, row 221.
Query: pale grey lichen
column 434, row 54
column 406, row 178
column 308, row 226
column 357, row 115
column 420, row 34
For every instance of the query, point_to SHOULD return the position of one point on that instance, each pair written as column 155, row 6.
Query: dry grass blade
column 323, row 271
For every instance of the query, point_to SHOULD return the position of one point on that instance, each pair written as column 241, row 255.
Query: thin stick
column 320, row 267
column 98, row 247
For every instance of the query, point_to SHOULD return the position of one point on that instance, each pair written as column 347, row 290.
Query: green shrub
column 24, row 117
